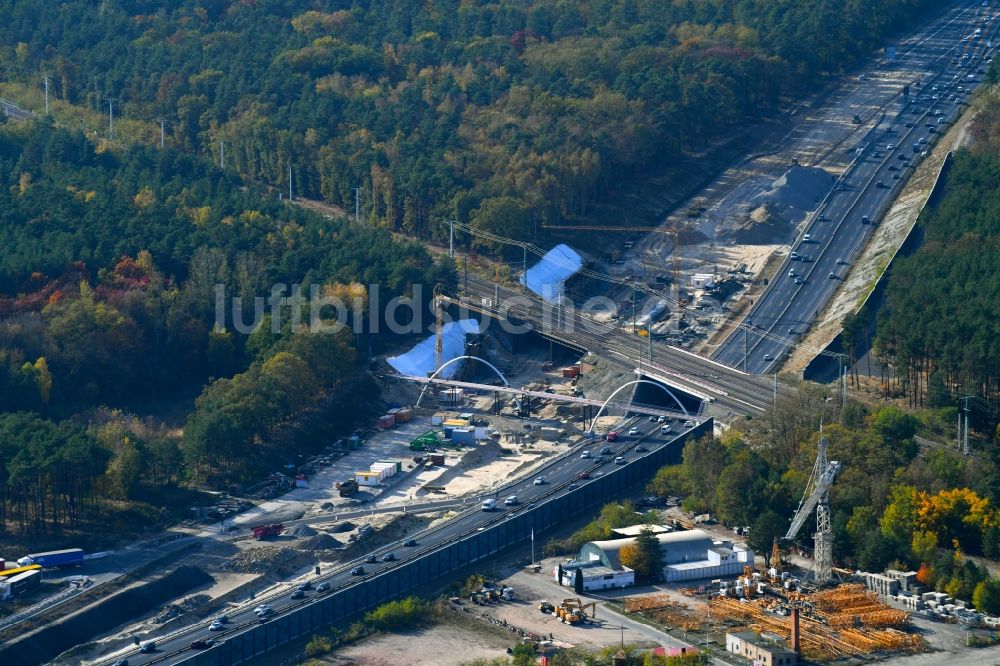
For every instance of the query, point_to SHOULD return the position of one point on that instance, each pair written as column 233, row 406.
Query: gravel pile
column 262, row 560
column 170, row 611
column 320, row 542
column 345, row 526
column 301, row 531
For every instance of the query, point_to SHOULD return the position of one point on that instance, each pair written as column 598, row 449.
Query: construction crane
column 817, row 496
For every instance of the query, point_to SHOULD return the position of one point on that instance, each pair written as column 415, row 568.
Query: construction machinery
column 546, row 607
column 264, row 531
column 576, row 611
column 817, row 496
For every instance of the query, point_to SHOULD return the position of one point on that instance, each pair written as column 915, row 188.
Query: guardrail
column 357, row 597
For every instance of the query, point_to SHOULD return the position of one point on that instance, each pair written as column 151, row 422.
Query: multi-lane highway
column 945, row 63
column 560, row 476
column 698, row 376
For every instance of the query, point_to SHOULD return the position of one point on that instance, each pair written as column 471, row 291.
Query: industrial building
column 595, row 576
column 687, row 555
column 759, row 650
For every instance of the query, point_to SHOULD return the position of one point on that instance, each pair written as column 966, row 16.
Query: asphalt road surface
column 948, row 60
column 561, row 475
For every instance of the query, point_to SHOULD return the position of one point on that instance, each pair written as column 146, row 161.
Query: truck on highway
column 612, row 436
column 54, row 558
column 489, row 504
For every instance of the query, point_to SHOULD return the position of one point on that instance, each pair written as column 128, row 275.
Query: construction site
column 844, row 621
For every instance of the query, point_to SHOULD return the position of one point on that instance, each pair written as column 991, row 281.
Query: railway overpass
column 711, row 381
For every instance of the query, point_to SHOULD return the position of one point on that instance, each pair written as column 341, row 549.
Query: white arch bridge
column 511, row 390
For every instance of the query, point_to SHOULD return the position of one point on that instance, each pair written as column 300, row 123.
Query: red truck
column 612, row 436
column 264, row 531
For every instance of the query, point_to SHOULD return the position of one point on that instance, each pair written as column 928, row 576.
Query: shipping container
column 571, row 372
column 404, row 415
column 367, row 478
column 386, row 421
column 455, row 423
column 437, row 459
column 438, row 418
column 463, row 436
column 397, row 463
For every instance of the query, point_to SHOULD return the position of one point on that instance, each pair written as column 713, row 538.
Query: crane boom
column 810, row 500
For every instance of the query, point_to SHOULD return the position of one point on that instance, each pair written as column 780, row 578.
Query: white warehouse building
column 687, row 555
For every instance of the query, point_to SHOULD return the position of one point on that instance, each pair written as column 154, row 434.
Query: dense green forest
column 109, row 264
column 939, row 325
column 505, row 113
column 891, row 504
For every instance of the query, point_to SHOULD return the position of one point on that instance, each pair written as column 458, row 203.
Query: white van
column 489, row 504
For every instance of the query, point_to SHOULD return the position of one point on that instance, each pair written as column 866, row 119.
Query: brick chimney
column 795, row 630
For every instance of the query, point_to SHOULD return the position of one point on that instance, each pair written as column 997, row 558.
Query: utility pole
column 451, row 237
column 161, row 135
column 46, row 94
column 111, row 117
column 222, row 154
column 964, row 432
column 290, row 182
column 649, row 336
column 357, row 204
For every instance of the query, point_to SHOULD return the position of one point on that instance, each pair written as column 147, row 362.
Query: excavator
column 572, row 611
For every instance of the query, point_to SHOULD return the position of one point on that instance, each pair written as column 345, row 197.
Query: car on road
column 202, row 644
column 879, row 183
column 572, row 486
column 807, row 238
column 664, row 429
column 216, row 626
column 305, row 586
column 298, row 594
column 584, row 475
column 620, row 460
column 791, row 331
column 221, row 618
column 652, row 418
column 606, row 451
column 263, row 609
column 147, row 646
column 641, row 449
column 410, row 543
column 895, row 176
column 585, row 455
column 323, row 587
column 798, row 279
column 661, row 419
column 358, row 571
column 633, row 432
column 791, row 272
column 121, row 662
column 689, row 424
column 371, row 559
column 832, row 276
column 840, row 261
column 794, row 256
column 388, row 557
column 540, row 481
column 768, row 357
column 890, row 147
